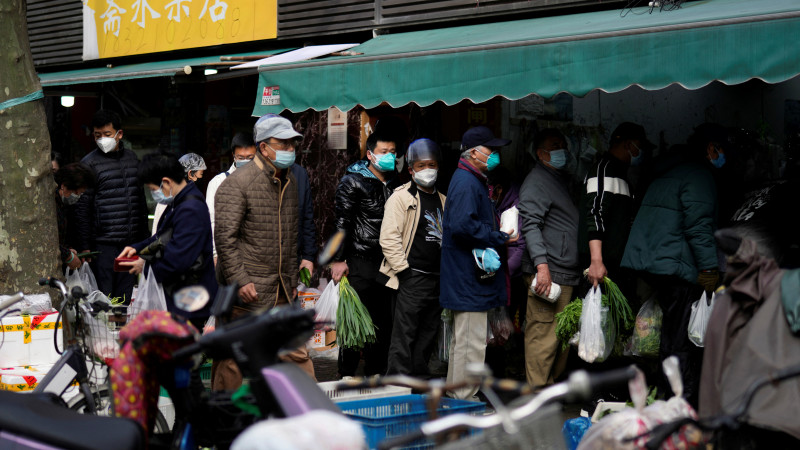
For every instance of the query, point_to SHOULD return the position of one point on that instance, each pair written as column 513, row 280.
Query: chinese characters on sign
column 128, row 27
column 271, row 96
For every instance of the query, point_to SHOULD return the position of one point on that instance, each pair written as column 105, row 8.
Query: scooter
column 36, row 421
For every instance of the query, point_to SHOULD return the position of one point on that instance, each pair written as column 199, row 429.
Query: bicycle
column 90, row 346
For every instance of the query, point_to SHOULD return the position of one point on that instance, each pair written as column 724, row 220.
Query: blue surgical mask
column 239, row 163
column 283, row 159
column 159, row 197
column 493, row 161
column 558, row 158
column 71, row 199
column 720, row 161
column 385, row 162
column 636, row 160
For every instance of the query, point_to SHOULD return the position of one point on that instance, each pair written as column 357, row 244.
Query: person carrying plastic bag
column 179, row 254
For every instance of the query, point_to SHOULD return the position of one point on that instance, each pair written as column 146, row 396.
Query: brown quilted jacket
column 255, row 229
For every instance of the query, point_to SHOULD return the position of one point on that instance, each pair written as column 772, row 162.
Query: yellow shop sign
column 130, row 27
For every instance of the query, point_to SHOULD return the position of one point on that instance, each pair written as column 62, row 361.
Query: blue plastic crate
column 387, row 417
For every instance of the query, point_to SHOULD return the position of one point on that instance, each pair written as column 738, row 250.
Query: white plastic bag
column 509, row 221
column 614, row 430
column 149, row 296
column 327, row 304
column 82, row 276
column 88, row 277
column 698, row 322
column 646, row 337
column 673, row 409
column 597, row 332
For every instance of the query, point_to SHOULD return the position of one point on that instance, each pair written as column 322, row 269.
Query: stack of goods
column 27, row 351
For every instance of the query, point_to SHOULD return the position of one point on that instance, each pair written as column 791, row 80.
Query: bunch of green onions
column 354, row 327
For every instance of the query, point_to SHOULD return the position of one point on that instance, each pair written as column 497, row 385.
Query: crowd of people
column 409, row 250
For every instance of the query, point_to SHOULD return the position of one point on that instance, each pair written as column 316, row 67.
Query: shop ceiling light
column 210, row 72
column 67, row 101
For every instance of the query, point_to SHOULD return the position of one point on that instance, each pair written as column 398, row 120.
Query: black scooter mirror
column 331, row 248
column 191, row 298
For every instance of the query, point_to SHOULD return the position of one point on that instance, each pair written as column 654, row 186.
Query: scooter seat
column 42, row 419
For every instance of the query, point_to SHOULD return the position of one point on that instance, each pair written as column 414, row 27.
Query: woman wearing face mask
column 183, row 235
column 194, row 165
column 73, row 179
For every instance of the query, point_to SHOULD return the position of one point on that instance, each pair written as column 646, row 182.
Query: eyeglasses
column 283, row 144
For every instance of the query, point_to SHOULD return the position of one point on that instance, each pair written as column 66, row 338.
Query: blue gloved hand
column 488, row 259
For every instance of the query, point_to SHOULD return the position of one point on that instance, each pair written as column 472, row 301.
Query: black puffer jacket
column 359, row 203
column 115, row 211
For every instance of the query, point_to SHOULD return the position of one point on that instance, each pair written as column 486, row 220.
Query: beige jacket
column 400, row 219
column 256, row 230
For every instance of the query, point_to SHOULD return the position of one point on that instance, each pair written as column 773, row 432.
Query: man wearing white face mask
column 114, row 213
column 411, row 239
column 550, row 227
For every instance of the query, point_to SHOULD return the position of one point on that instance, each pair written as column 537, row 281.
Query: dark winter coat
column 673, row 233
column 359, row 205
column 187, row 218
column 115, row 211
column 306, row 230
column 470, row 222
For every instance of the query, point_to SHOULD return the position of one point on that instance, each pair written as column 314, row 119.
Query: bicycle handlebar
column 578, row 387
column 16, row 298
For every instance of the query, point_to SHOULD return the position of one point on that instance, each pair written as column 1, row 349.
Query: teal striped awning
column 727, row 40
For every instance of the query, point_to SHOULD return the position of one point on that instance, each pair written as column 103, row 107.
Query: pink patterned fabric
column 134, row 383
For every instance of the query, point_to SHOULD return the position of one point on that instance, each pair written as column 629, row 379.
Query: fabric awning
column 141, row 70
column 727, row 40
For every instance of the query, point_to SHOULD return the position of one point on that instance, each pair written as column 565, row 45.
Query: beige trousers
column 468, row 346
column 544, row 360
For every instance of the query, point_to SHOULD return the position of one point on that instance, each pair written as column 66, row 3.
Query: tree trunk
column 28, row 230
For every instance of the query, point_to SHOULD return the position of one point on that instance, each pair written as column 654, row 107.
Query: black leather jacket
column 115, row 211
column 359, row 202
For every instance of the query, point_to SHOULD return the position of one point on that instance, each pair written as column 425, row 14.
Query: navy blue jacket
column 469, row 222
column 188, row 217
column 306, row 230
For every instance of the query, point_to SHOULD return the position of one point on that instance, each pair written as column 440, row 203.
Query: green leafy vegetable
column 618, row 307
column 354, row 327
column 568, row 321
column 305, row 276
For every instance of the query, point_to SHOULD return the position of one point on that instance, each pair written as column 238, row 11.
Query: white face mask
column 106, row 144
column 426, row 178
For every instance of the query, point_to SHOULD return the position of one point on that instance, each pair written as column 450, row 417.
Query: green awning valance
column 727, row 40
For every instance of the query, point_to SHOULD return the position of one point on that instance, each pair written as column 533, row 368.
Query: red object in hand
column 120, row 268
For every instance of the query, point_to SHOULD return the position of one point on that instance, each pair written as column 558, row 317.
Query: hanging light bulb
column 67, row 101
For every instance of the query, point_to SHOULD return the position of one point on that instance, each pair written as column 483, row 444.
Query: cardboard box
column 322, row 340
column 28, row 340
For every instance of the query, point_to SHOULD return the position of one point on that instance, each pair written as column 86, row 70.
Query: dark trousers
column 416, row 324
column 378, row 300
column 675, row 296
column 115, row 284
